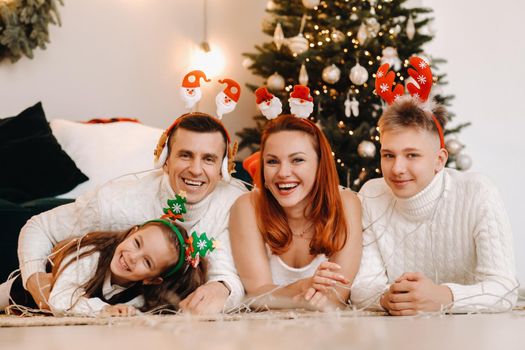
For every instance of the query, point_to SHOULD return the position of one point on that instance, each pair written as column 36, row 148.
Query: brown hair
column 406, row 112
column 326, row 210
column 198, row 122
column 168, row 293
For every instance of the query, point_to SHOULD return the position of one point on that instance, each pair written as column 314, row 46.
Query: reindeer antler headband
column 226, row 101
column 422, row 74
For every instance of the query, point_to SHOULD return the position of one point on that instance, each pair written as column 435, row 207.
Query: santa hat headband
column 422, row 74
column 301, row 102
column 226, row 102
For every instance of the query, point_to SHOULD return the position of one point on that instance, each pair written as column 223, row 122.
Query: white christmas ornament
column 275, row 82
column 411, row 28
column 358, row 74
column 270, row 5
column 278, row 36
column 331, row 74
column 463, row 162
column 298, row 44
column 362, row 34
column 372, row 26
column 303, row 75
column 453, row 146
column 390, row 56
column 337, row 36
column 351, row 107
column 247, row 62
column 366, row 149
column 310, row 4
column 354, row 17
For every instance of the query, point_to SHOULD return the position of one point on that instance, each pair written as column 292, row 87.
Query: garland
column 24, row 26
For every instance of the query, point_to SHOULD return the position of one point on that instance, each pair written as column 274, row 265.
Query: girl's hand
column 118, row 310
column 326, row 276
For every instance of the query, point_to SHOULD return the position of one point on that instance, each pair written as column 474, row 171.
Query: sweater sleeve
column 222, row 268
column 67, row 296
column 496, row 289
column 371, row 280
column 42, row 232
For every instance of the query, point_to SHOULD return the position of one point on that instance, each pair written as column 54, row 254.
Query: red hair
column 326, row 209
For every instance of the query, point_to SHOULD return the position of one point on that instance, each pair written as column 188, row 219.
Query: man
column 197, row 145
column 435, row 239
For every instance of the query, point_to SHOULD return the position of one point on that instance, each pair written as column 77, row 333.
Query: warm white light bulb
column 212, row 62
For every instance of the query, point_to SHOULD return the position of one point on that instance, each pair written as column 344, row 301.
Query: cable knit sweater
column 126, row 202
column 455, row 231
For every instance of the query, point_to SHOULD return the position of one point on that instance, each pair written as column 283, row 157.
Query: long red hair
column 326, row 209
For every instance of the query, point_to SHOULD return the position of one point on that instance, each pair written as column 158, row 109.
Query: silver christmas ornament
column 247, row 62
column 358, row 74
column 366, row 149
column 411, row 28
column 303, row 75
column 298, row 44
column 275, row 82
column 463, row 162
column 310, row 4
column 453, row 146
column 337, row 36
column 331, row 74
column 278, row 36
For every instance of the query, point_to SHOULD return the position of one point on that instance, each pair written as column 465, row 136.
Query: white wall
column 127, row 58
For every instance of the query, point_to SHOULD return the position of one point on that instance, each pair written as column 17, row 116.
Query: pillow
column 33, row 163
column 106, row 151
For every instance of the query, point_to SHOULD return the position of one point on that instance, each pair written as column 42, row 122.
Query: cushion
column 33, row 163
column 106, row 151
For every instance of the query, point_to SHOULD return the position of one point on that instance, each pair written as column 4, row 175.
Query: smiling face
column 410, row 158
column 290, row 167
column 143, row 256
column 194, row 163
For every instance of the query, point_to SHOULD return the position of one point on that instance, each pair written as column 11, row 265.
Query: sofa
column 50, row 162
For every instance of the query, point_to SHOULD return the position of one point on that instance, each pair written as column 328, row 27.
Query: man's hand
column 39, row 285
column 207, row 299
column 118, row 310
column 413, row 292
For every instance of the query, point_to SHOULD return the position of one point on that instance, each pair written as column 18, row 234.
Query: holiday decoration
column 269, row 105
column 310, row 4
column 331, row 74
column 303, row 75
column 337, row 36
column 463, row 162
column 176, row 207
column 301, row 102
column 453, row 147
column 411, row 28
column 275, row 82
column 190, row 90
column 24, row 26
column 198, row 246
column 247, row 62
column 278, row 36
column 390, row 56
column 270, row 5
column 298, row 44
column 366, row 149
column 227, row 99
column 347, row 109
column 358, row 74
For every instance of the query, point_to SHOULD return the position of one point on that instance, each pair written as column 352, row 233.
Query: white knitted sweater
column 455, row 231
column 128, row 201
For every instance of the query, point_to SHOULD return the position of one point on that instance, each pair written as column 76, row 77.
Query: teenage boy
column 435, row 239
column 196, row 145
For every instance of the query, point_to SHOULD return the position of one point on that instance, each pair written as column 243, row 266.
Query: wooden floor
column 285, row 330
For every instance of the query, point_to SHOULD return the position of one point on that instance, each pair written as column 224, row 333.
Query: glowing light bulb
column 212, row 62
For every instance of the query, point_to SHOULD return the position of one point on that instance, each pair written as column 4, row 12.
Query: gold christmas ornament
column 331, row 74
column 278, row 36
column 310, row 4
column 275, row 82
column 303, row 75
column 298, row 44
column 337, row 36
column 358, row 74
column 366, row 149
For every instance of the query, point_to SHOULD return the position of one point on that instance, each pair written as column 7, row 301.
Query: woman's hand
column 326, row 276
column 118, row 310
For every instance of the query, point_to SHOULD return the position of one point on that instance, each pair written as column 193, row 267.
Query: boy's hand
column 413, row 292
column 39, row 286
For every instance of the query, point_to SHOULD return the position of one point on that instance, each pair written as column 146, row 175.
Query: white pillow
column 105, row 151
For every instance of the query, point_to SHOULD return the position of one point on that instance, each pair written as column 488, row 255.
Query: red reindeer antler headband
column 422, row 74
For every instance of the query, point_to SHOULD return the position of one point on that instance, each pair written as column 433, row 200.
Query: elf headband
column 422, row 74
column 226, row 102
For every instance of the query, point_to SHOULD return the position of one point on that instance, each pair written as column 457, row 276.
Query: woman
column 297, row 235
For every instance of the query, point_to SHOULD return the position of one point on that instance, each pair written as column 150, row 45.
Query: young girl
column 297, row 235
column 116, row 273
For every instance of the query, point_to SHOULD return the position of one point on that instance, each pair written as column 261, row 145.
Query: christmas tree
column 335, row 48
